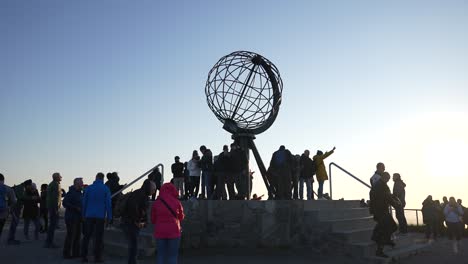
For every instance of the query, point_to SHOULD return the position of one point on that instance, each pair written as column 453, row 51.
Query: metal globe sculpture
column 244, row 92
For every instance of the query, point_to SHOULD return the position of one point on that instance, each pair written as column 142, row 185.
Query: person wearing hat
column 321, row 173
column 177, row 169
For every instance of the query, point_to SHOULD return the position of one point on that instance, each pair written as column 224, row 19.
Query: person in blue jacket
column 97, row 208
column 72, row 203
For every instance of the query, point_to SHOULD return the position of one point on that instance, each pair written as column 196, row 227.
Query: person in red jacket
column 166, row 214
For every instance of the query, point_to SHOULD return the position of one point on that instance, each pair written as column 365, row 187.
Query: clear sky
column 88, row 86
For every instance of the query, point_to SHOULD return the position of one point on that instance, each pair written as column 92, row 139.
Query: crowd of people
column 435, row 214
column 88, row 209
column 227, row 175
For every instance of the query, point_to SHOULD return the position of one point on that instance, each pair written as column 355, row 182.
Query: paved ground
column 31, row 252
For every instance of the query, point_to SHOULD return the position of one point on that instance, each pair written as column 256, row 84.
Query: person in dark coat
column 73, row 204
column 240, row 171
column 134, row 217
column 381, row 199
column 43, row 208
column 307, row 175
column 429, row 213
column 114, row 186
column 399, row 192
column 156, row 177
column 281, row 169
column 31, row 210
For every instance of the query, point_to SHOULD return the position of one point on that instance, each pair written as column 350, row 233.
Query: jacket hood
column 168, row 190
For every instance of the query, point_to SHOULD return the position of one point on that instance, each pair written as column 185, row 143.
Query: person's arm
column 84, row 204
column 328, row 153
column 66, row 202
column 460, row 210
column 11, row 197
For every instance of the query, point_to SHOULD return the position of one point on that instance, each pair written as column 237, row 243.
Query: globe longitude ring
column 244, row 92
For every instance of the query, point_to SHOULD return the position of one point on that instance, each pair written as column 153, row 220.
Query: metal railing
column 365, row 184
column 160, row 165
column 345, row 171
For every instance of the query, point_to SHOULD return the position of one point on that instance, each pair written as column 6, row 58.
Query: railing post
column 330, row 179
column 417, row 219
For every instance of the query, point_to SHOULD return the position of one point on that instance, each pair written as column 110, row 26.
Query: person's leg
column 400, row 215
column 76, row 235
column 230, row 186
column 68, row 238
column 197, row 186
column 203, row 184
column 295, row 186
column 301, row 188
column 46, row 220
column 2, row 224
column 320, row 190
column 53, row 225
column 131, row 232
column 209, row 184
column 26, row 228
column 310, row 195
column 162, row 247
column 15, row 218
column 173, row 250
column 88, row 232
column 37, row 228
column 98, row 243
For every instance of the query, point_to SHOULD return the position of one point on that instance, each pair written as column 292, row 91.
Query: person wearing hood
column 72, row 203
column 321, row 172
column 15, row 211
column 399, row 192
column 31, row 210
column 167, row 214
column 96, row 209
column 429, row 213
column 134, row 217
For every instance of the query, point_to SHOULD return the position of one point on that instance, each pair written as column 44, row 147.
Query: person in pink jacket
column 166, row 214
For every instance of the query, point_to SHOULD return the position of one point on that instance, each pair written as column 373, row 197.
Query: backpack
column 121, row 205
column 3, row 198
column 280, row 158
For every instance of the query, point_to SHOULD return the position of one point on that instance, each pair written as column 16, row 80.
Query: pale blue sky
column 89, row 86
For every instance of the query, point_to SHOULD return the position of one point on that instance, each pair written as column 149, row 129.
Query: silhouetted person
column 43, row 212
column 73, row 205
column 177, row 170
column 7, row 201
column 453, row 213
column 206, row 165
column 465, row 214
column 307, row 175
column 380, row 169
column 114, row 186
column 296, row 172
column 194, row 169
column 240, row 171
column 134, row 217
column 96, row 209
column 15, row 211
column 321, row 172
column 31, row 211
column 222, row 167
column 429, row 213
column 281, row 169
column 54, row 202
column 399, row 192
column 440, row 218
column 381, row 200
column 156, row 177
column 186, row 180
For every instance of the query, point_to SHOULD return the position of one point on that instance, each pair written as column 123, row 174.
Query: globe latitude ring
column 244, row 91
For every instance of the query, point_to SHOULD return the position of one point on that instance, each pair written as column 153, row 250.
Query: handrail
column 139, row 178
column 345, row 171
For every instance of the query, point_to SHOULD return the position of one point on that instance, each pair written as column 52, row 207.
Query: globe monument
column 244, row 91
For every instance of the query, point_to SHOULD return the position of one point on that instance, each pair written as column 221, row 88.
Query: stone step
column 354, row 235
column 368, row 248
column 397, row 254
column 336, row 214
column 330, row 204
column 350, row 224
